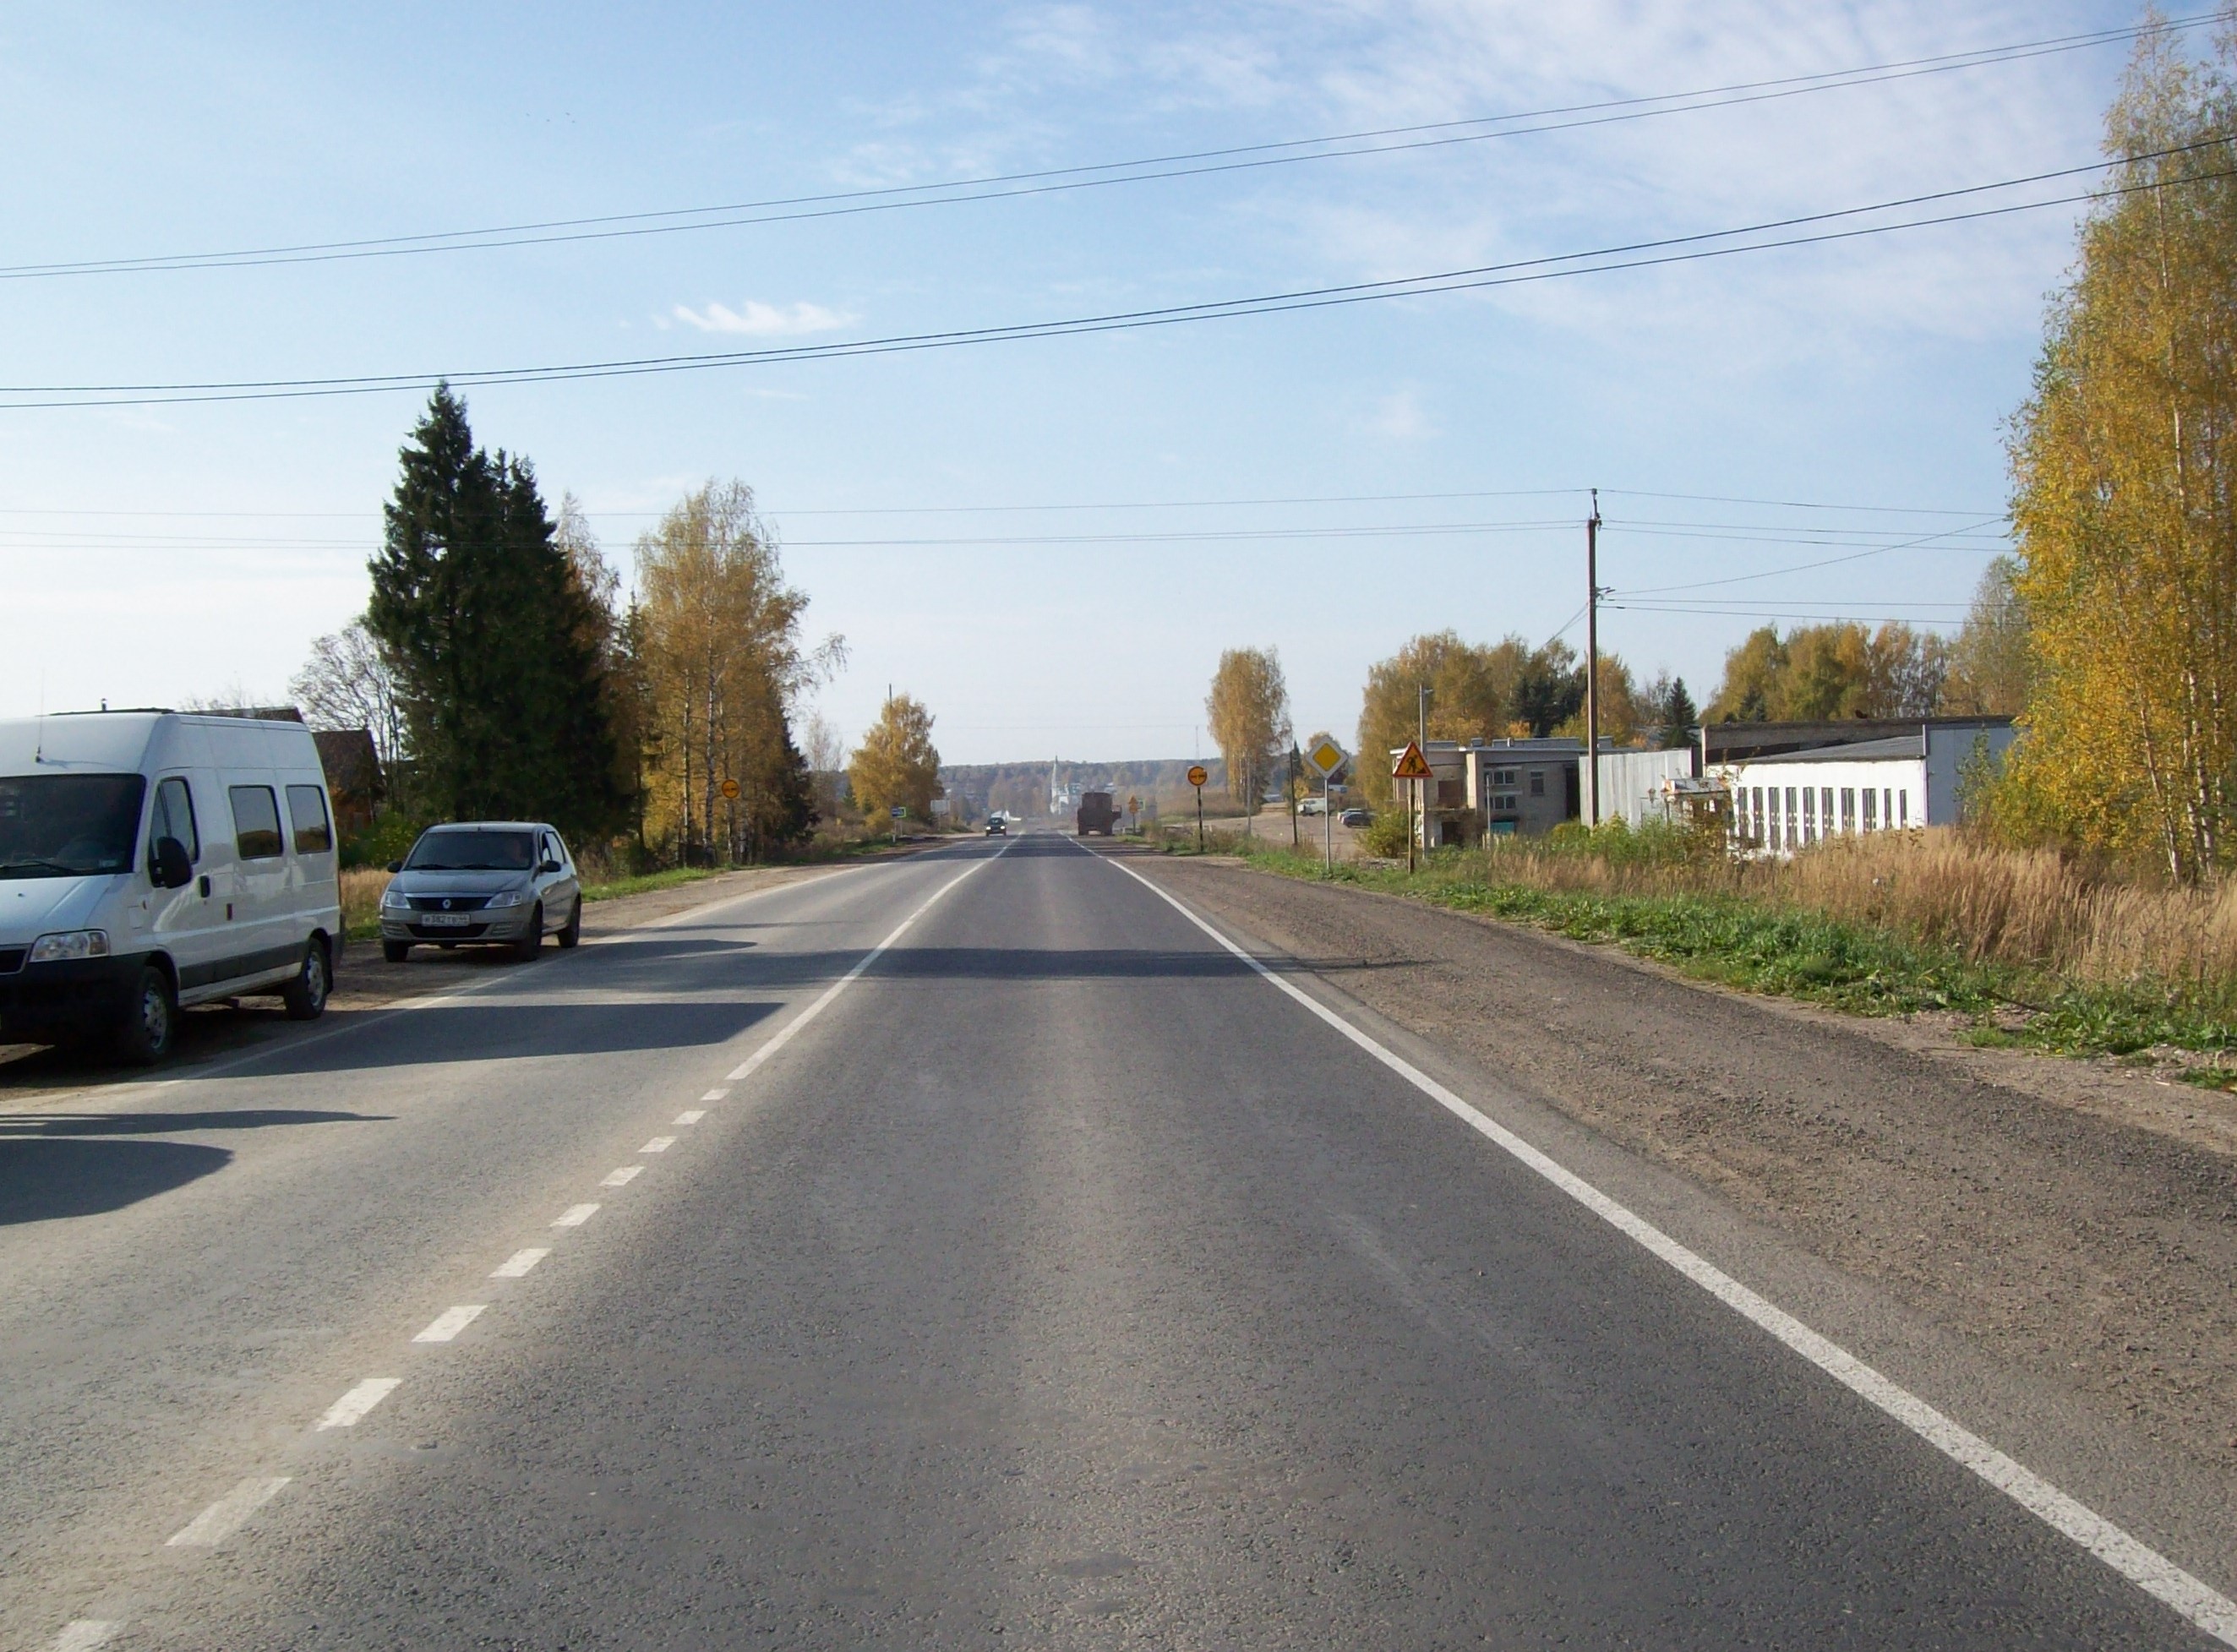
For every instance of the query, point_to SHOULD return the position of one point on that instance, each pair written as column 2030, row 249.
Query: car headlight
column 509, row 898
column 70, row 943
column 394, row 897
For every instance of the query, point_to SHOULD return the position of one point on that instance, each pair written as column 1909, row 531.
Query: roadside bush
column 1386, row 835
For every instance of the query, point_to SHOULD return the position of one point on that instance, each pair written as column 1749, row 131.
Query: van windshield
column 472, row 850
column 68, row 826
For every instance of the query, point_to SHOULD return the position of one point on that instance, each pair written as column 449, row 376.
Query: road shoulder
column 2054, row 1273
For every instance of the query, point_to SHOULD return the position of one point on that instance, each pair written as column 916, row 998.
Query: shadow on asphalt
column 57, row 1166
column 20, row 1126
column 440, row 1033
column 45, row 1180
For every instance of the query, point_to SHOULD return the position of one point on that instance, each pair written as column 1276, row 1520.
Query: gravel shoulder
column 2073, row 1220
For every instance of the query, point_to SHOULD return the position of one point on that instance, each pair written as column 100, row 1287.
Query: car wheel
column 396, row 951
column 305, row 995
column 532, row 938
column 151, row 1020
column 573, row 933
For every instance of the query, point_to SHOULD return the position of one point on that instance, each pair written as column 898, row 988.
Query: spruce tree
column 498, row 680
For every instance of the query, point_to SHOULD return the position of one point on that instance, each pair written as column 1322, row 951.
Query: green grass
column 646, row 883
column 1793, row 953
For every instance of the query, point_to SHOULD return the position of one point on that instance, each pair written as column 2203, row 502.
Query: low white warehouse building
column 1782, row 803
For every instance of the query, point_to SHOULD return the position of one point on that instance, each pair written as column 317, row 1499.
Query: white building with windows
column 1785, row 802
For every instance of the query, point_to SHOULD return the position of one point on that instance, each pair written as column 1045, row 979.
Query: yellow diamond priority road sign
column 1412, row 766
column 1326, row 757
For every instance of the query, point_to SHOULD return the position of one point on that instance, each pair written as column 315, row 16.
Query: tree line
column 503, row 675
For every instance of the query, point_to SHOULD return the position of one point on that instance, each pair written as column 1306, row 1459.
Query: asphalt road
column 1055, row 1280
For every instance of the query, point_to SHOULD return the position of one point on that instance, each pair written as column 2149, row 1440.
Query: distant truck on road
column 1097, row 815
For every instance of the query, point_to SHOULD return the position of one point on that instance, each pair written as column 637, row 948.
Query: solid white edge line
column 350, row 1410
column 2141, row 1565
column 85, row 1635
column 222, row 1518
column 784, row 1035
column 575, row 1216
column 452, row 1320
column 516, row 1265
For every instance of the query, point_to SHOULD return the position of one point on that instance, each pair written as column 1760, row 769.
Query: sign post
column 1325, row 758
column 899, row 812
column 1412, row 766
column 1197, row 776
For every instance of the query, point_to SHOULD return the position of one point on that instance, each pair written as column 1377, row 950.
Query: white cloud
column 758, row 320
column 1400, row 418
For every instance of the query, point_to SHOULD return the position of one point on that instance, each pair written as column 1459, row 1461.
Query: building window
column 1537, row 782
column 1848, row 808
column 1903, row 806
column 1504, row 802
column 1872, row 809
column 1502, row 777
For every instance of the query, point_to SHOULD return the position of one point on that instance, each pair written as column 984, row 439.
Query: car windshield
column 473, row 849
column 68, row 826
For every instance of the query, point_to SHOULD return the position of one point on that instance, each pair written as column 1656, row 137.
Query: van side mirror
column 169, row 865
column 395, row 866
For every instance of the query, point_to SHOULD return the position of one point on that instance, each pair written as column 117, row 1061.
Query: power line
column 1515, row 272
column 1775, row 573
column 782, row 512
column 1099, row 174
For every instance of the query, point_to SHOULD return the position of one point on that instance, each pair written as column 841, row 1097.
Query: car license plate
column 445, row 920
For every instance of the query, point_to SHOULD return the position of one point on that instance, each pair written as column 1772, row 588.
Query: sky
column 1049, row 541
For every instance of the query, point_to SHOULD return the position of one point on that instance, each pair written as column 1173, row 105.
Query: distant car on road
column 998, row 826
column 482, row 883
column 1354, row 817
column 1312, row 806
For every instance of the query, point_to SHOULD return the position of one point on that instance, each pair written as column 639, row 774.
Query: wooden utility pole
column 1593, row 663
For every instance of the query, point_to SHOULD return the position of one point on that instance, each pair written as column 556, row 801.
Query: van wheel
column 305, row 995
column 396, row 951
column 151, row 1020
column 532, row 940
column 573, row 933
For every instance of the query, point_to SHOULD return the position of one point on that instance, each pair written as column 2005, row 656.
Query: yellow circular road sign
column 729, row 788
column 1199, row 774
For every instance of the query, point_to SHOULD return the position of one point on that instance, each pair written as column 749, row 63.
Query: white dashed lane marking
column 84, row 1634
column 516, row 1265
column 350, row 1409
column 622, row 1177
column 576, row 1215
column 658, row 1144
column 450, row 1321
column 715, row 1096
column 692, row 1116
column 222, row 1518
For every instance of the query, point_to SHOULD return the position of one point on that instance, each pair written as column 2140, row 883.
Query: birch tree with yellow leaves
column 2124, row 463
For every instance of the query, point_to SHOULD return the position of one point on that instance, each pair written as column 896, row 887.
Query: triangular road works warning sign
column 1412, row 766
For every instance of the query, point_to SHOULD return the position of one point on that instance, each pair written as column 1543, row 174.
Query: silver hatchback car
column 482, row 883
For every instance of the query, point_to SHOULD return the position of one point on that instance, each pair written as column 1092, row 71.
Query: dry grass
column 2034, row 909
column 361, row 887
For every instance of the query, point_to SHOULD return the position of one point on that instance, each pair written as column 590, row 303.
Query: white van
column 150, row 859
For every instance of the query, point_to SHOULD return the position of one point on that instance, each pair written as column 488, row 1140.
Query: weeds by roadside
column 2038, row 956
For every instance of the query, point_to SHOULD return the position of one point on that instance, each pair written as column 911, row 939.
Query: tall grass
column 2088, row 957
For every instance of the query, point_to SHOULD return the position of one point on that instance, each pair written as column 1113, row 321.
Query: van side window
column 255, row 823
column 307, row 812
column 174, row 817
